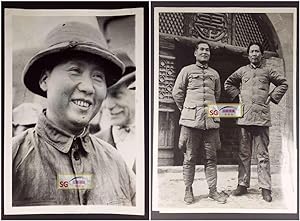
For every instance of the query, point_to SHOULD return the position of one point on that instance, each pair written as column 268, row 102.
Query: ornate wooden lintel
column 222, row 47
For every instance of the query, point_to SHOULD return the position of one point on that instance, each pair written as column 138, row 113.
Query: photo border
column 156, row 215
column 83, row 6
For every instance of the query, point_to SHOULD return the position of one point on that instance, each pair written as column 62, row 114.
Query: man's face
column 202, row 54
column 121, row 106
column 75, row 90
column 255, row 55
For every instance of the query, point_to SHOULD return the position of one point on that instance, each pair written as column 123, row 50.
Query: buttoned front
column 42, row 154
column 253, row 85
column 195, row 88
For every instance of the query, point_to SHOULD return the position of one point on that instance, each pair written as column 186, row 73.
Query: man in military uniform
column 197, row 86
column 72, row 71
column 252, row 83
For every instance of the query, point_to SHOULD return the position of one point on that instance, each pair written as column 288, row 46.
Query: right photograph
column 225, row 110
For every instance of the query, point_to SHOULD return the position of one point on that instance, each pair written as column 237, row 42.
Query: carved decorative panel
column 237, row 29
column 166, row 78
column 171, row 23
column 247, row 30
column 210, row 26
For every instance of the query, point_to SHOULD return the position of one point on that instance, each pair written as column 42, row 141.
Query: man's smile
column 82, row 103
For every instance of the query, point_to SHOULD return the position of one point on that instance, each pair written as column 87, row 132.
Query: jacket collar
column 200, row 65
column 59, row 138
column 253, row 66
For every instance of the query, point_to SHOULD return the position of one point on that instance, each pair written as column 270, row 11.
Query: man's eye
column 74, row 69
column 98, row 76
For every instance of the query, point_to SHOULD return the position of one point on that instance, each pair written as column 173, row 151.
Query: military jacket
column 253, row 85
column 195, row 88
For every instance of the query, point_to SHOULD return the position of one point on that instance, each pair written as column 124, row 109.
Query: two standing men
column 198, row 85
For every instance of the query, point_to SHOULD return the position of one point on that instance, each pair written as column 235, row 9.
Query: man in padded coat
column 252, row 84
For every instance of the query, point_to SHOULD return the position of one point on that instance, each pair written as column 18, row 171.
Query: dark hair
column 201, row 42
column 255, row 43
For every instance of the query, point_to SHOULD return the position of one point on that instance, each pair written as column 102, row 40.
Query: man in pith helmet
column 58, row 161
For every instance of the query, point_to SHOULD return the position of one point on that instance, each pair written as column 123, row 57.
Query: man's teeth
column 81, row 103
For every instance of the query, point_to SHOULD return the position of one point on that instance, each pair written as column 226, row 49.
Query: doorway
column 225, row 62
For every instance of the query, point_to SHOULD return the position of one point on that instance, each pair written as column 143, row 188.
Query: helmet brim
column 34, row 68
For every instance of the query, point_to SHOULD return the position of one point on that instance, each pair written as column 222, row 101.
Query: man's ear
column 44, row 80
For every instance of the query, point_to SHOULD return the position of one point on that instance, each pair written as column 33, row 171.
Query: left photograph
column 73, row 140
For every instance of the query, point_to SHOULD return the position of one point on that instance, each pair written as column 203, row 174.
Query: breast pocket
column 195, row 80
column 210, row 81
column 245, row 83
column 189, row 112
column 245, row 80
column 263, row 84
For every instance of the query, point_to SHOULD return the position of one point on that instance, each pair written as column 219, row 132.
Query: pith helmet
column 67, row 39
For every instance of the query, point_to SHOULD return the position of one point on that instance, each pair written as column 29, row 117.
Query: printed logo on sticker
column 225, row 110
column 80, row 181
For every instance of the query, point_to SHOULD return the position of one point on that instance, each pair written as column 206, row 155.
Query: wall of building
column 120, row 32
column 282, row 119
column 283, row 25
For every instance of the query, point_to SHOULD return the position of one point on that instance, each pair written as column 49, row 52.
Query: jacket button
column 76, row 155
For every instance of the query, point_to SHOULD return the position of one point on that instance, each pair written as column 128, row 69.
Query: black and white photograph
column 237, row 59
column 74, row 142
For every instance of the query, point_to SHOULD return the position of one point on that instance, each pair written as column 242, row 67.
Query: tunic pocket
column 210, row 81
column 245, row 79
column 195, row 80
column 263, row 84
column 189, row 112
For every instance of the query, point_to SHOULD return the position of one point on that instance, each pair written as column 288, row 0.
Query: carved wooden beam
column 220, row 47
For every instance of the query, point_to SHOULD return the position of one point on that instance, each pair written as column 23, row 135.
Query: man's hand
column 182, row 146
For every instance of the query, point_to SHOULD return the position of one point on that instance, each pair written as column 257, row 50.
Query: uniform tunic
column 252, row 83
column 196, row 87
column 43, row 153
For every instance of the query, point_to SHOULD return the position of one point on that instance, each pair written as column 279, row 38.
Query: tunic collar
column 59, row 138
column 253, row 66
column 200, row 65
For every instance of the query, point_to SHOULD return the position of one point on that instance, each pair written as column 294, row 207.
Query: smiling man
column 252, row 84
column 197, row 85
column 120, row 103
column 58, row 162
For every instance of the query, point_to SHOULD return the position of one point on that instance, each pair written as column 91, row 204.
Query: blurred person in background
column 120, row 104
column 25, row 116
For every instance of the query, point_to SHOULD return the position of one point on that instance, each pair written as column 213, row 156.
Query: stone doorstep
column 275, row 169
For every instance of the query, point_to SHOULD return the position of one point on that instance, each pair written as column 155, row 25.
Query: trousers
column 190, row 141
column 254, row 137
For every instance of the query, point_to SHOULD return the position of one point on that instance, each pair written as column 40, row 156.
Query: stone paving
column 171, row 189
